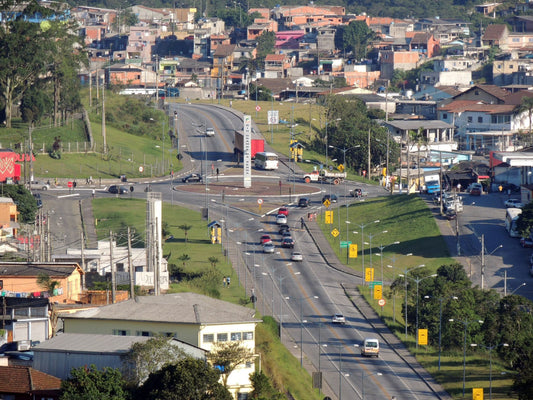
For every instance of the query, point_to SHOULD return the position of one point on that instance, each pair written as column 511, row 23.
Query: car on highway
column 297, row 256
column 338, row 319
column 287, row 243
column 281, row 219
column 284, row 210
column 331, row 197
column 192, row 178
column 269, row 248
column 370, row 347
column 304, row 202
column 210, row 132
column 284, row 228
column 265, row 239
column 116, row 189
column 285, row 234
column 513, row 203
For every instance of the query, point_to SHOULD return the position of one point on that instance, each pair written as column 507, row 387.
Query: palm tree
column 213, row 261
column 184, row 258
column 186, row 228
column 47, row 283
column 526, row 105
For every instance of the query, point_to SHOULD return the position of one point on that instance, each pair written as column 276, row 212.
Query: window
column 444, row 116
column 222, row 337
column 248, row 335
column 469, row 119
column 144, row 333
column 479, row 119
column 249, row 364
column 236, row 336
column 516, row 40
column 209, row 338
column 476, row 92
column 120, row 332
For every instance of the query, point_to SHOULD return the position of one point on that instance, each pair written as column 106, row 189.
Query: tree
column 524, row 223
column 526, row 105
column 263, row 389
column 213, row 261
column 227, row 356
column 92, row 384
column 22, row 197
column 44, row 281
column 265, row 44
column 357, row 37
column 188, row 379
column 185, row 228
column 184, row 258
column 145, row 358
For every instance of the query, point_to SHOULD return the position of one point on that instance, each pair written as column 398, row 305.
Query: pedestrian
column 224, row 281
column 228, row 280
column 302, row 222
column 93, row 193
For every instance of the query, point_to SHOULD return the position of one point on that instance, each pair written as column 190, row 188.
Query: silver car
column 269, row 248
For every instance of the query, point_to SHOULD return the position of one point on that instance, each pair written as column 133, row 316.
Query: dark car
column 284, row 228
column 304, row 202
column 116, row 189
column 192, row 178
column 287, row 242
column 331, row 197
column 475, row 192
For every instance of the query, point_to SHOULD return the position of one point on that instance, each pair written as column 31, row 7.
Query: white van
column 370, row 347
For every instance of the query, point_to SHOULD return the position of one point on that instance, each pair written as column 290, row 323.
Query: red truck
column 257, row 144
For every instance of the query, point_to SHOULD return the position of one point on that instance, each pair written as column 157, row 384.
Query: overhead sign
column 247, row 150
column 273, row 117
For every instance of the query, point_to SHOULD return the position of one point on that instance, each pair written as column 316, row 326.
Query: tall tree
column 145, row 358
column 188, row 379
column 227, row 356
column 357, row 37
column 92, row 384
column 526, row 105
column 265, row 44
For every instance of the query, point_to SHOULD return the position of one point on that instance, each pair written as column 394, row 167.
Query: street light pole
column 362, row 226
column 405, row 272
column 418, row 280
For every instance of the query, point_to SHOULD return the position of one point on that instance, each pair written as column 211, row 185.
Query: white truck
column 324, row 176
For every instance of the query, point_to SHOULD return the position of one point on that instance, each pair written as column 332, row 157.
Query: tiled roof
column 494, row 32
column 421, row 38
column 496, row 91
column 516, row 98
column 476, row 106
column 275, row 57
column 185, row 308
column 20, row 269
column 224, row 50
column 16, row 379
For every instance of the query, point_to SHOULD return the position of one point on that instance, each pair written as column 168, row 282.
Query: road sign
column 335, row 232
column 273, row 117
column 345, row 244
column 141, row 169
column 382, row 302
column 369, row 274
column 477, row 393
column 328, row 217
column 327, row 203
column 378, row 292
column 374, row 284
column 257, row 108
column 69, row 184
column 423, row 337
column 259, row 201
column 341, row 168
column 353, row 251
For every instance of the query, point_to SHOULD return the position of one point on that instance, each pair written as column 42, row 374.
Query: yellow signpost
column 477, row 393
column 378, row 292
column 327, row 203
column 335, row 232
column 369, row 274
column 423, row 337
column 353, row 251
column 328, row 217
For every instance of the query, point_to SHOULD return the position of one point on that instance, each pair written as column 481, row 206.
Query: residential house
column 325, row 38
column 291, row 16
column 496, row 35
column 24, row 318
column 437, row 135
column 488, row 9
column 423, row 43
column 449, row 72
column 99, row 260
column 360, row 75
column 8, row 219
column 375, row 101
column 60, row 354
column 392, row 60
column 223, row 62
column 276, row 65
column 152, row 16
column 512, row 72
column 213, row 26
column 25, row 383
column 521, row 23
column 416, row 109
column 20, row 280
column 130, row 75
column 443, row 30
column 217, row 40
column 140, row 42
column 260, row 26
column 520, row 42
column 195, row 319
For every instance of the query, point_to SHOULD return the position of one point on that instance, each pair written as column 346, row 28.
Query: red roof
column 460, row 106
column 275, row 57
column 16, row 379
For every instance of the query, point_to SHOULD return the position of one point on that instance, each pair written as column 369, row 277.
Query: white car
column 338, row 319
column 210, row 132
column 269, row 248
column 281, row 219
column 513, row 203
column 297, row 256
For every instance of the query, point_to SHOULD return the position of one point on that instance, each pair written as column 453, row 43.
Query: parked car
column 297, row 256
column 116, row 189
column 40, row 185
column 445, row 196
column 265, row 239
column 450, row 214
column 269, row 248
column 331, row 197
column 210, row 132
column 281, row 219
column 287, row 242
column 358, row 193
column 338, row 319
column 473, row 186
column 285, row 234
column 284, row 210
column 304, row 202
column 284, row 228
column 526, row 242
column 513, row 203
column 192, row 178
column 476, row 191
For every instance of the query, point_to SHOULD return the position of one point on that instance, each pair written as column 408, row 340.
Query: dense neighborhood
column 455, row 100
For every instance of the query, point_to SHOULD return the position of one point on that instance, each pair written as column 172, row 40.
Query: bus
column 266, row 160
column 510, row 221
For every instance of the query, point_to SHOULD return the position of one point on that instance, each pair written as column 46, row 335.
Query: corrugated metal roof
column 82, row 342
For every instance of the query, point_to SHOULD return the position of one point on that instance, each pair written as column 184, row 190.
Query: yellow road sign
column 477, row 393
column 335, row 232
column 378, row 292
column 353, row 251
column 341, row 167
column 327, row 202
column 423, row 337
column 328, row 217
column 369, row 274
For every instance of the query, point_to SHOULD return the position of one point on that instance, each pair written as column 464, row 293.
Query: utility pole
column 113, row 274
column 103, row 121
column 482, row 261
column 369, row 155
column 157, row 263
column 130, row 267
column 83, row 262
column 48, row 239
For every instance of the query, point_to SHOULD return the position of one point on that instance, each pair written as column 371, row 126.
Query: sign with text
column 247, row 150
column 353, row 251
column 369, row 274
column 378, row 292
column 273, row 117
column 328, row 217
column 477, row 393
column 423, row 337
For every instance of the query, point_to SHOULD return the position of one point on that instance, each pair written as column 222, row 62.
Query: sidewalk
column 368, row 312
